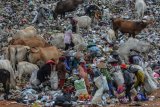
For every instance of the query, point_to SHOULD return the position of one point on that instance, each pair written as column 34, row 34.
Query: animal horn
column 27, row 47
column 34, row 49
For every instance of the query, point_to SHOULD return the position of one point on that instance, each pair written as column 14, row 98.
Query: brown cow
column 43, row 54
column 31, row 42
column 126, row 26
column 65, row 6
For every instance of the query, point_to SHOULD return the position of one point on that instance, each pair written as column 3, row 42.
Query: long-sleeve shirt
column 61, row 70
column 67, row 66
column 44, row 73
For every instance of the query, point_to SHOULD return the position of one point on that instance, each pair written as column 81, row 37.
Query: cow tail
column 9, row 56
column 16, row 62
column 7, row 84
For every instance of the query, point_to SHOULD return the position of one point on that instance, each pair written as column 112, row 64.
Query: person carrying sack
column 61, row 71
column 128, row 81
column 68, row 39
column 140, row 78
column 44, row 73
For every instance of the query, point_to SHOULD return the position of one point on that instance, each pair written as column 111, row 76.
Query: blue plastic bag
column 140, row 97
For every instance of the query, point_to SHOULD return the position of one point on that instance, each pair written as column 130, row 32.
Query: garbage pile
column 79, row 66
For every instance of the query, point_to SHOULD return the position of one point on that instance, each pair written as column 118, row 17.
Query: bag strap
column 52, row 67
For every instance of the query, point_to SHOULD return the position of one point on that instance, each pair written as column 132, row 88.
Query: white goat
column 83, row 22
column 140, row 7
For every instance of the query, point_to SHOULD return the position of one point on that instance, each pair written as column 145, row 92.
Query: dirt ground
column 11, row 104
column 154, row 103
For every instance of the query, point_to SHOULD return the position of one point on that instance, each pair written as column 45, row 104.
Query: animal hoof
column 6, row 97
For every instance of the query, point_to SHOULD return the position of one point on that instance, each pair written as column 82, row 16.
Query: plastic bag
column 80, row 87
column 140, row 97
column 105, row 83
column 123, row 100
column 118, row 77
column 97, row 98
column 75, row 71
column 98, row 82
column 121, row 94
column 149, row 84
column 54, row 80
column 33, row 76
column 94, row 49
column 33, row 80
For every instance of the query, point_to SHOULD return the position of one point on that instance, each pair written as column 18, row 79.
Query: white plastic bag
column 98, row 81
column 33, row 80
column 118, row 77
column 97, row 98
column 101, row 82
column 54, row 80
column 105, row 83
column 149, row 84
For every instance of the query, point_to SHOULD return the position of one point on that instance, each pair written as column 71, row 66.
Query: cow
column 31, row 42
column 16, row 53
column 5, row 80
column 127, row 26
column 5, row 64
column 26, row 33
column 26, row 68
column 83, row 22
column 58, row 40
column 43, row 54
column 65, row 6
column 140, row 7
